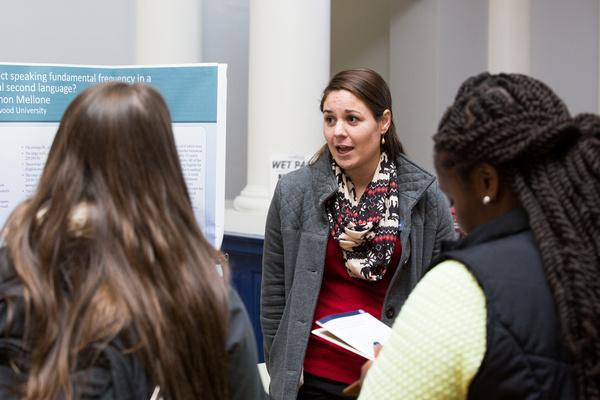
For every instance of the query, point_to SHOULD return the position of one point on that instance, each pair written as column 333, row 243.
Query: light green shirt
column 438, row 340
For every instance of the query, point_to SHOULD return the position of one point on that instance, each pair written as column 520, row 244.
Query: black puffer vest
column 525, row 357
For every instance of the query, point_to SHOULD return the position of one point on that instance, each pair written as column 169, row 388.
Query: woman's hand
column 354, row 388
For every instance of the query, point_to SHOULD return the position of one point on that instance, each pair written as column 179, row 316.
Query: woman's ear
column 385, row 121
column 486, row 181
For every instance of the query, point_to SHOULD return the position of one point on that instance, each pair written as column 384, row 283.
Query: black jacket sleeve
column 244, row 380
column 122, row 375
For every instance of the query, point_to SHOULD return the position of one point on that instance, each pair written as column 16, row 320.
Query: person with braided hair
column 511, row 310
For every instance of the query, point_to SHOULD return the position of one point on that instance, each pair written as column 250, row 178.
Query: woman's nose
column 339, row 129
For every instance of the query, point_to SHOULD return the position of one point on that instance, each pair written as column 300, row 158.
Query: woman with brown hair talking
column 108, row 288
column 355, row 229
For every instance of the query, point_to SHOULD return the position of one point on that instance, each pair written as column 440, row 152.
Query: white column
column 508, row 40
column 288, row 70
column 168, row 32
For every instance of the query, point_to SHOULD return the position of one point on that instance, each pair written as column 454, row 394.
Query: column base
column 253, row 199
column 250, row 225
column 248, row 215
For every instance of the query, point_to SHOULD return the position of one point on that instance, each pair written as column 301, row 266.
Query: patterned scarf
column 366, row 230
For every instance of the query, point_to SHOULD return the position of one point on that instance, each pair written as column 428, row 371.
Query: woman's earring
column 382, row 140
column 486, row 200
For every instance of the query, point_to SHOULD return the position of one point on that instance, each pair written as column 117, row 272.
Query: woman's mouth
column 344, row 149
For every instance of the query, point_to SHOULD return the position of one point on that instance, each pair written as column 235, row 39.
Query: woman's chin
column 346, row 165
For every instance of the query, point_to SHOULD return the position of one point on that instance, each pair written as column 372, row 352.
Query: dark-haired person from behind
column 355, row 229
column 108, row 289
column 511, row 310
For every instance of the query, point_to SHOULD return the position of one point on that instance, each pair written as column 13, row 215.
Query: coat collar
column 413, row 181
column 511, row 223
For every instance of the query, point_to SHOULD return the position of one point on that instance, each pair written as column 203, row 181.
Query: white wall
column 360, row 33
column 225, row 40
column 414, row 38
column 463, row 46
column 68, row 31
column 434, row 46
column 564, row 50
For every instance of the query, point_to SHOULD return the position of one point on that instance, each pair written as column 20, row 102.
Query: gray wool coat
column 296, row 237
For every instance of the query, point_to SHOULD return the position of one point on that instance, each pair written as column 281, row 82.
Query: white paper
column 358, row 331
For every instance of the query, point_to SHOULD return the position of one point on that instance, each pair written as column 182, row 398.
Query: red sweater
column 342, row 293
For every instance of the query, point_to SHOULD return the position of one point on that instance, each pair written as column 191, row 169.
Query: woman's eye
column 329, row 120
column 352, row 119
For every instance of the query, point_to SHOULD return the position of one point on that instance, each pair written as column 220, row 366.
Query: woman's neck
column 361, row 181
column 362, row 176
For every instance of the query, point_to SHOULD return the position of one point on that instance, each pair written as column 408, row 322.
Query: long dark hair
column 522, row 127
column 108, row 245
column 371, row 89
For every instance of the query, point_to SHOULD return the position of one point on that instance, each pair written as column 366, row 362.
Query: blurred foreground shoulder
column 244, row 379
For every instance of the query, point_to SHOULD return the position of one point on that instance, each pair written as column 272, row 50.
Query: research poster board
column 33, row 98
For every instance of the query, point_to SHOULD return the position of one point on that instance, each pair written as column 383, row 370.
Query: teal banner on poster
column 33, row 98
column 33, row 92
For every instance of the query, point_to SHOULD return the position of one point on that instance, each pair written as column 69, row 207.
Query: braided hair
column 552, row 160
